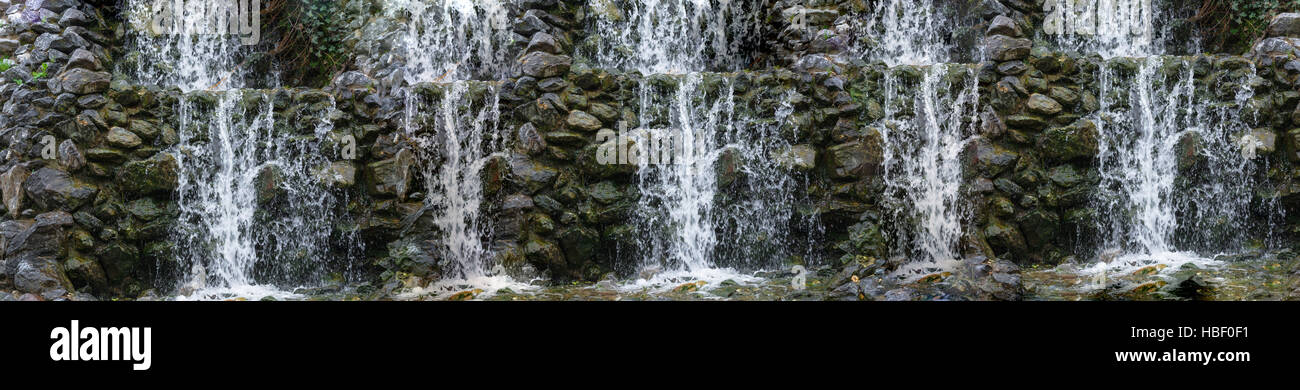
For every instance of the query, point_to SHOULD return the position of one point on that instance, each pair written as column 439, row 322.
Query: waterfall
column 449, row 44
column 677, row 197
column 455, row 39
column 455, row 139
column 250, row 196
column 185, row 54
column 673, row 36
column 1152, row 124
column 755, row 207
column 904, row 32
column 923, row 133
column 1111, row 28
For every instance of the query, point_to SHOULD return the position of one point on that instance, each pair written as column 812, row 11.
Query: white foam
column 668, row 280
column 1128, row 264
column 488, row 286
column 250, row 292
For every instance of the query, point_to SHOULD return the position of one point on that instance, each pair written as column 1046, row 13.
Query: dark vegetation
column 1231, row 26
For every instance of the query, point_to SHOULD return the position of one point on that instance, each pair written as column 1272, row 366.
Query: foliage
column 5, row 64
column 1233, row 25
column 40, row 74
column 309, row 36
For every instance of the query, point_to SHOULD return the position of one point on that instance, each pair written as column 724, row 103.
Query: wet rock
column 83, row 82
column 1043, row 105
column 1004, row 48
column 82, row 270
column 543, row 65
column 8, row 45
column 579, row 244
column 1077, row 141
column 57, row 6
column 529, row 139
column 52, row 188
column 1026, row 122
column 1004, row 238
column 604, row 112
column 543, row 42
column 565, row 138
column 1279, row 46
column 268, row 184
column 1002, row 25
column 556, row 84
column 533, row 176
column 517, row 202
column 543, row 113
column 854, row 160
column 1012, row 68
column 605, row 192
column 31, row 251
column 1265, row 140
column 391, row 177
column 83, row 59
column 157, row 175
column 583, row 121
column 1064, row 96
column 802, row 157
column 122, row 138
column 74, row 17
column 338, row 174
column 11, row 190
column 1188, row 149
column 987, row 159
column 1039, row 227
column 544, row 254
column 351, row 80
column 1285, row 25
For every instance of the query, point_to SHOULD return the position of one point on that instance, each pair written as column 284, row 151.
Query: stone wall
column 97, row 219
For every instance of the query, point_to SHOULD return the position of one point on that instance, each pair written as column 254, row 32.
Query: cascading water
column 1155, row 124
column 923, row 134
column 455, row 141
column 250, row 186
column 1108, row 27
column 673, row 36
column 454, row 40
column 251, row 195
column 677, row 196
column 449, row 43
column 904, row 32
column 186, row 54
column 724, row 180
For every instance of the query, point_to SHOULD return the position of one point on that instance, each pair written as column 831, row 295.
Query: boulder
column 1002, row 25
column 1076, row 142
column 533, row 176
column 52, row 188
column 391, row 177
column 159, row 174
column 1285, row 25
column 543, row 42
column 31, row 252
column 1043, row 105
column 121, row 138
column 583, row 121
column 1004, row 48
column 11, row 189
column 855, row 159
column 543, row 65
column 802, row 157
column 84, row 82
column 83, row 59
